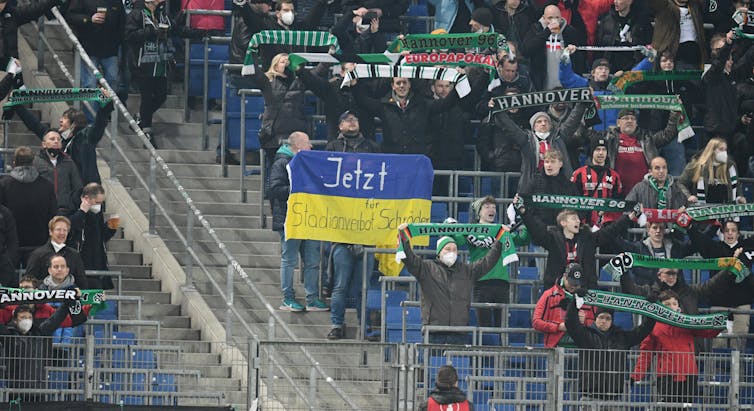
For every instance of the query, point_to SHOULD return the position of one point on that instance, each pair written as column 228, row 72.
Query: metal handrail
column 233, row 264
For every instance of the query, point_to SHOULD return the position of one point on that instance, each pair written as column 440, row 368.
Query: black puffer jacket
column 602, row 358
column 689, row 295
column 32, row 201
column 284, row 101
column 280, row 187
column 357, row 144
column 515, row 26
column 609, row 29
column 443, row 396
column 99, row 40
column 13, row 16
column 544, row 184
column 720, row 96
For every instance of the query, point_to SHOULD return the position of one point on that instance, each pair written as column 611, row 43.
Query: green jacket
column 480, row 246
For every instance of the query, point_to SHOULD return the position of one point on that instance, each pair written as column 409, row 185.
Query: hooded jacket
column 280, row 186
column 447, row 396
column 64, row 177
column 446, row 291
column 676, row 195
column 32, row 201
column 549, row 313
column 603, row 355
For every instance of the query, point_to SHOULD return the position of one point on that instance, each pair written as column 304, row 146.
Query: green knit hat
column 442, row 242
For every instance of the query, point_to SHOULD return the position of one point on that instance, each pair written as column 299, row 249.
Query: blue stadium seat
column 143, row 359
column 164, row 383
column 416, row 25
column 605, row 276
column 480, row 399
column 233, row 130
column 109, row 313
column 524, row 295
column 528, row 273
column 640, row 393
column 438, row 212
column 623, row 320
column 58, row 380
column 518, row 318
column 394, row 298
column 124, row 337
column 536, row 391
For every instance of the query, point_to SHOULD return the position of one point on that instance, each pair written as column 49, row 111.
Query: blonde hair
column 553, row 154
column 705, row 161
column 271, row 73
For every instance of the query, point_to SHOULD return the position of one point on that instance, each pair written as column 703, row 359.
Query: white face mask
column 449, row 258
column 480, row 31
column 286, row 17
column 363, row 27
column 542, row 135
column 95, row 208
column 721, row 157
column 24, row 325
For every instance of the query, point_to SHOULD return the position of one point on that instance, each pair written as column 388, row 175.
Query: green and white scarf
column 716, row 212
column 450, row 59
column 621, row 263
column 558, row 201
column 52, row 95
column 639, row 305
column 648, row 101
column 744, row 19
column 498, row 231
column 541, row 98
column 428, row 73
column 619, row 84
column 295, row 60
column 286, row 37
column 425, row 42
column 661, row 191
column 16, row 296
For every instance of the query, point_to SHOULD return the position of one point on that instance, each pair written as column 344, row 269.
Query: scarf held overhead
column 648, row 101
column 499, row 231
column 639, row 305
column 423, row 42
column 428, row 73
column 577, row 203
column 289, row 38
column 540, row 98
column 620, row 83
column 15, row 296
column 619, row 265
column 52, row 95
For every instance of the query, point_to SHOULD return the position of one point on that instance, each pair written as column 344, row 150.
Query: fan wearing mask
column 446, row 285
column 711, row 177
column 57, row 167
column 90, row 231
column 36, row 266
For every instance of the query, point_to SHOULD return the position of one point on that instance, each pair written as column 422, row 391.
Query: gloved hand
column 581, row 291
column 518, row 204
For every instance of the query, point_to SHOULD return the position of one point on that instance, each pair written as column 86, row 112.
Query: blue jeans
column 348, row 274
column 309, row 250
column 109, row 68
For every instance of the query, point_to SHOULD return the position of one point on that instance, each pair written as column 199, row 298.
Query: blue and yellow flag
column 356, row 198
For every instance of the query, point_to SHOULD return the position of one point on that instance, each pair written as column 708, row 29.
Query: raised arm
column 480, row 268
column 575, row 329
column 511, row 130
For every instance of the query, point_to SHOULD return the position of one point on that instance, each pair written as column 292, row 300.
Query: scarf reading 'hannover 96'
column 428, row 73
column 424, row 42
column 639, row 305
column 577, row 203
column 16, row 296
column 619, row 265
column 540, row 98
column 52, row 95
column 500, row 232
column 287, row 37
column 648, row 101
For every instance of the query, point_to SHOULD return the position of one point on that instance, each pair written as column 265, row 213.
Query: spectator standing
column 43, row 311
column 291, row 248
column 388, row 11
column 36, row 266
column 57, row 167
column 549, row 315
column 657, row 245
column 14, row 15
column 446, row 392
column 626, row 26
column 100, row 26
column 453, row 15
column 451, row 130
column 446, row 285
column 90, row 232
column 549, row 180
column 30, row 198
column 658, row 189
column 603, row 353
column 496, row 151
column 597, row 180
column 679, row 28
column 720, row 95
column 358, row 31
column 598, row 82
column 711, row 177
column 8, row 248
column 513, row 18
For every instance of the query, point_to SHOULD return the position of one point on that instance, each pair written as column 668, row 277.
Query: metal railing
column 233, row 266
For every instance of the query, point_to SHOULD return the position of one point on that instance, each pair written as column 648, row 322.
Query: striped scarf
column 287, row 37
column 621, row 263
column 701, row 193
column 661, row 191
column 497, row 231
column 619, row 84
column 52, row 95
column 428, row 73
column 295, row 60
column 648, row 101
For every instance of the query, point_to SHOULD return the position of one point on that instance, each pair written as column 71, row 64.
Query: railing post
column 263, row 175
column 40, row 45
column 242, row 148
column 111, row 162
column 229, row 304
column 186, row 74
column 558, row 379
column 6, row 143
column 735, row 381
column 76, row 74
column 223, row 168
column 151, row 184
column 364, row 284
column 313, row 384
column 252, row 382
column 189, row 246
column 205, row 95
column 89, row 367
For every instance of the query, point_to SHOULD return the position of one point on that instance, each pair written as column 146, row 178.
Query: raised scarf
column 620, row 264
column 52, row 95
column 14, row 296
column 577, row 202
column 620, row 83
column 498, row 231
column 286, row 37
column 428, row 73
column 648, row 101
column 424, row 42
column 541, row 98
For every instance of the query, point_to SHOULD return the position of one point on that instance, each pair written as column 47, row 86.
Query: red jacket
column 548, row 315
column 205, row 22
column 675, row 349
column 41, row 313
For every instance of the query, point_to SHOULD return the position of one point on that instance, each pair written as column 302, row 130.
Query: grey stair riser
column 234, row 247
column 124, row 258
column 148, row 311
column 196, row 170
column 230, row 205
column 120, row 245
column 151, row 297
column 206, row 183
column 176, row 322
column 133, row 271
column 132, row 284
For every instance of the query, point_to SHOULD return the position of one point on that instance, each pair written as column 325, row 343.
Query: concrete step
column 234, row 247
column 187, row 170
column 172, row 101
column 124, row 258
column 22, row 138
column 149, row 311
column 197, row 183
column 176, row 322
column 133, row 271
column 151, row 297
column 120, row 245
column 176, row 156
column 211, row 370
column 221, row 384
column 226, row 234
column 207, row 198
column 248, row 261
column 140, row 284
column 167, row 333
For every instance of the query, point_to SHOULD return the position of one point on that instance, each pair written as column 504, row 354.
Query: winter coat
column 392, row 10
column 609, row 34
column 36, row 266
column 284, row 101
column 534, row 47
column 64, row 177
column 6, row 85
column 358, row 144
column 559, row 138
column 515, row 26
column 650, row 141
column 676, row 352
column 88, row 236
column 32, row 201
column 667, row 29
column 709, row 248
column 549, row 313
column 676, row 195
column 352, row 42
column 15, row 15
column 247, row 23
column 8, row 248
column 496, row 151
column 451, row 131
column 603, row 355
column 99, row 40
column 19, row 348
column 569, row 79
column 673, row 249
column 720, row 97
column 280, row 187
column 692, row 187
column 200, row 22
column 446, row 291
column 446, row 12
column 554, row 241
column 44, row 311
column 541, row 183
column 447, row 396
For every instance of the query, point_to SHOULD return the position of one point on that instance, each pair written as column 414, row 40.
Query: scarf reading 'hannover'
column 428, row 73
column 52, row 95
column 297, row 59
column 286, row 37
column 715, row 212
column 620, row 264
column 423, row 42
column 620, row 83
column 540, row 98
column 500, row 232
column 639, row 305
column 577, row 203
column 15, row 296
column 648, row 101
